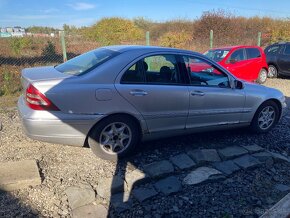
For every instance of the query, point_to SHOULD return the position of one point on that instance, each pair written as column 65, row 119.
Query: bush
column 175, row 39
column 109, row 31
column 49, row 49
column 18, row 44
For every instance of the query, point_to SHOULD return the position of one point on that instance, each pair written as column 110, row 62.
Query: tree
column 175, row 39
column 109, row 31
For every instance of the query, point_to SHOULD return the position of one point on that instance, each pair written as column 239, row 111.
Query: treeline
column 228, row 29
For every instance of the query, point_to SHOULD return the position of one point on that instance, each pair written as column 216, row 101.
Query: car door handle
column 197, row 93
column 138, row 92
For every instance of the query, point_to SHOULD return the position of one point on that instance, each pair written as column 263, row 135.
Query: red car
column 245, row 62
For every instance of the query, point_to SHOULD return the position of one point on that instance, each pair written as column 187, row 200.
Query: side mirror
column 233, row 61
column 239, row 84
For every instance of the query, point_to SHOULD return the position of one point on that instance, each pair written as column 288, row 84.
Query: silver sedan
column 113, row 97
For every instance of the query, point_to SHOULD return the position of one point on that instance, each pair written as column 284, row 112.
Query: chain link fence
column 32, row 51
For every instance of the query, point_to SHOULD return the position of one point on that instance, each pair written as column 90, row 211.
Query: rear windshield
column 217, row 54
column 86, row 62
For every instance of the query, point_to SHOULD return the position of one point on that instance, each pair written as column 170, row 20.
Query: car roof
column 126, row 48
column 235, row 47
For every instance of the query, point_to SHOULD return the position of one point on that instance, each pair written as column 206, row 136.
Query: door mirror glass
column 239, row 84
column 233, row 61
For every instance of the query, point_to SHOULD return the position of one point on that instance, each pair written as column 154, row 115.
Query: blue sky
column 85, row 12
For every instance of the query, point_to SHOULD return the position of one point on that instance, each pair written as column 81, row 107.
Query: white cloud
column 29, row 17
column 80, row 6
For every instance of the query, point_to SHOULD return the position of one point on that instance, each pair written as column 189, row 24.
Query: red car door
column 237, row 64
column 255, row 63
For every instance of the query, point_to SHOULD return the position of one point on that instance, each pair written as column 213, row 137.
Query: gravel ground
column 245, row 194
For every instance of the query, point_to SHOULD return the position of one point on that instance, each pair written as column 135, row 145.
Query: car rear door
column 154, row 86
column 212, row 101
column 284, row 59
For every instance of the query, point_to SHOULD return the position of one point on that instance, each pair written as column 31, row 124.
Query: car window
column 237, row 55
column 86, row 62
column 202, row 73
column 287, row 50
column 161, row 69
column 272, row 49
column 217, row 54
column 253, row 53
column 134, row 74
column 158, row 69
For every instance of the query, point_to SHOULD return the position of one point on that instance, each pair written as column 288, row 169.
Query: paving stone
column 168, row 185
column 279, row 158
column 144, row 193
column 282, row 187
column 253, row 148
column 227, row 167
column 121, row 202
column 159, row 169
column 110, row 186
column 247, row 161
column 182, row 161
column 135, row 178
column 232, row 152
column 90, row 211
column 19, row 175
column 80, row 196
column 264, row 157
column 201, row 174
column 201, row 156
column 281, row 209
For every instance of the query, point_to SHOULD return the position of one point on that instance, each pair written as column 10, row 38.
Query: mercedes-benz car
column 113, row 97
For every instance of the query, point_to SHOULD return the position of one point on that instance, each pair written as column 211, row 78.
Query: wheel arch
column 130, row 116
column 277, row 102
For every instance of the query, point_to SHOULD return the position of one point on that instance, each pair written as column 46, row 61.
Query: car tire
column 262, row 76
column 107, row 137
column 272, row 71
column 266, row 117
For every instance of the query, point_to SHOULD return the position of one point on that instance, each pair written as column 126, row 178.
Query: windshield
column 217, row 54
column 86, row 62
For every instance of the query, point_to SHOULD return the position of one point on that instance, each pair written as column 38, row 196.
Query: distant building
column 12, row 32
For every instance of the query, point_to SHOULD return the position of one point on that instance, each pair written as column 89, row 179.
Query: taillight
column 38, row 101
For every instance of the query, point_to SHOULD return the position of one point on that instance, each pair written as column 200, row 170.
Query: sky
column 55, row 13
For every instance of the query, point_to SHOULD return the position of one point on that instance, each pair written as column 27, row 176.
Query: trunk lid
column 37, row 74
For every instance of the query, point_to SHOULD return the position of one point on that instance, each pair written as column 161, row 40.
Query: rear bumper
column 56, row 127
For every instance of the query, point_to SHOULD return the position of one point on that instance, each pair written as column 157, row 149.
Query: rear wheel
column 262, row 76
column 266, row 117
column 272, row 71
column 114, row 137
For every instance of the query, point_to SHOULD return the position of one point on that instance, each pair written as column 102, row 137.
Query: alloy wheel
column 115, row 138
column 266, row 117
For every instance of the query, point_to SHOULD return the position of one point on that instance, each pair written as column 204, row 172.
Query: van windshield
column 217, row 54
column 86, row 62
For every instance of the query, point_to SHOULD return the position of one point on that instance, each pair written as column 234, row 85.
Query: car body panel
column 166, row 110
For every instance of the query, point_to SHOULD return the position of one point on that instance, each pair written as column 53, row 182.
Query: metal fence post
column 259, row 38
column 211, row 38
column 147, row 38
column 62, row 41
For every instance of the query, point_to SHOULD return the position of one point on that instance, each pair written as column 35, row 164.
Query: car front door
column 212, row 101
column 237, row 64
column 284, row 59
column 255, row 63
column 155, row 87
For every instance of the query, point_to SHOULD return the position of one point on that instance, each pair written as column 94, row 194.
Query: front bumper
column 56, row 126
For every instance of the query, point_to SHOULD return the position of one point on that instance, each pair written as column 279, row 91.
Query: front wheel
column 114, row 137
column 266, row 117
column 272, row 71
column 262, row 76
